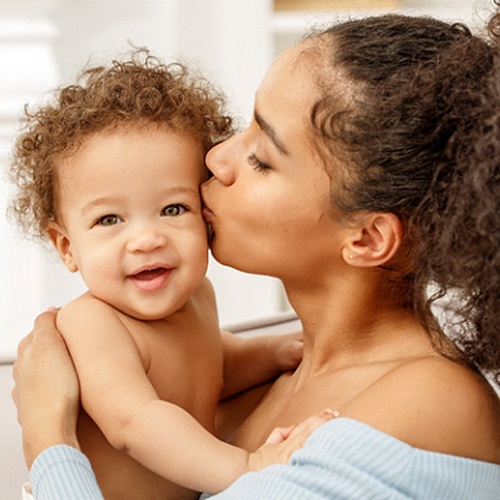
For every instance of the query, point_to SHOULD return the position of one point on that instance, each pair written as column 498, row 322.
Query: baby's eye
column 109, row 220
column 173, row 210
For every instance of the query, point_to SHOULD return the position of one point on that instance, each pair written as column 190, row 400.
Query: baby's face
column 131, row 219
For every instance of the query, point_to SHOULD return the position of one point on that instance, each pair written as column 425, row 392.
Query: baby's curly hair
column 139, row 91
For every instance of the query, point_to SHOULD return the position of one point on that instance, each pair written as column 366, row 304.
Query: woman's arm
column 46, row 394
column 62, row 472
column 46, row 391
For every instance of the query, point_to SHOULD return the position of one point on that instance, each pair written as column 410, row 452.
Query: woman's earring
column 351, row 257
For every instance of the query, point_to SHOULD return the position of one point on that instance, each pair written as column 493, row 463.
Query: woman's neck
column 358, row 320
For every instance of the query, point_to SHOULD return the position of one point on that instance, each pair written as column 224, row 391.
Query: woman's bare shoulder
column 434, row 404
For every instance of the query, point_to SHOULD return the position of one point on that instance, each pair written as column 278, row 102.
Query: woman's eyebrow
column 270, row 132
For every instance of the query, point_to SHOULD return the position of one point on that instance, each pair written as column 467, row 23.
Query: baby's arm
column 118, row 396
column 252, row 361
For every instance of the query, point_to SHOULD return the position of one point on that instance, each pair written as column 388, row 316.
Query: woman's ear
column 375, row 240
column 62, row 244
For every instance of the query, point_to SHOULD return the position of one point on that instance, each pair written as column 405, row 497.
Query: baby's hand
column 284, row 441
column 285, row 351
column 255, row 360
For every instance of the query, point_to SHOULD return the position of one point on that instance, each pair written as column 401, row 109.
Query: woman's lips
column 208, row 215
column 151, row 279
column 206, row 212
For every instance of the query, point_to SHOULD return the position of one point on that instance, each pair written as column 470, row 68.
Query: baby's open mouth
column 150, row 274
column 151, row 279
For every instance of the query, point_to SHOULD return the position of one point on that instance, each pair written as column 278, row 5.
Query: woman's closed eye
column 257, row 164
column 174, row 210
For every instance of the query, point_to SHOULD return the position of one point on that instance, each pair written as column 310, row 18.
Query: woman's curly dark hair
column 138, row 91
column 413, row 105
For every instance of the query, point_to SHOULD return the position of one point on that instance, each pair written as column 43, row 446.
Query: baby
column 110, row 173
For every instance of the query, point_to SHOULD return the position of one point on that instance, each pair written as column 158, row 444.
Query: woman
column 370, row 171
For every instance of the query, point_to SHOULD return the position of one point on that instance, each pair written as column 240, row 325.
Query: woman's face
column 269, row 200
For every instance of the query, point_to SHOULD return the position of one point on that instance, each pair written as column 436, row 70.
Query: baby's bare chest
column 183, row 362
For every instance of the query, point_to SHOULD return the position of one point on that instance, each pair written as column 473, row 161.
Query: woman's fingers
column 43, row 332
column 46, row 390
column 44, row 363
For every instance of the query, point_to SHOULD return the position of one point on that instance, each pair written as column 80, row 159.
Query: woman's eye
column 173, row 210
column 109, row 220
column 257, row 164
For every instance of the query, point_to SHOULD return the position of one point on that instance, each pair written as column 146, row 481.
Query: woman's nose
column 219, row 162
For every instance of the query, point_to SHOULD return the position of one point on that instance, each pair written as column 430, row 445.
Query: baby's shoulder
column 85, row 307
column 87, row 314
column 204, row 304
column 436, row 404
column 206, row 291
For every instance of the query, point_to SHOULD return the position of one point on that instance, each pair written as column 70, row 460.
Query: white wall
column 289, row 26
column 28, row 68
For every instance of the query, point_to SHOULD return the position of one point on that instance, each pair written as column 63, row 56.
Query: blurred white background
column 44, row 43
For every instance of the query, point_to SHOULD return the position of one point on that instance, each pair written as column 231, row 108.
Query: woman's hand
column 284, row 441
column 46, row 390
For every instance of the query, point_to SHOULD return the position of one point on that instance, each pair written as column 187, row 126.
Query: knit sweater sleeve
column 63, row 472
column 345, row 458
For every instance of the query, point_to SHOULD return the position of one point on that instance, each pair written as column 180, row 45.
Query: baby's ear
column 62, row 244
column 375, row 240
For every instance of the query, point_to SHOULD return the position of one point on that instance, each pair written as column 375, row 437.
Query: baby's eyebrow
column 107, row 201
column 270, row 132
column 182, row 190
column 99, row 202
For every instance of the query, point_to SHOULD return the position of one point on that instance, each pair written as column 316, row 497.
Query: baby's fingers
column 284, row 441
column 279, row 434
column 303, row 430
column 299, row 434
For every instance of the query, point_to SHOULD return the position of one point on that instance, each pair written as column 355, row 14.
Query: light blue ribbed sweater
column 343, row 459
